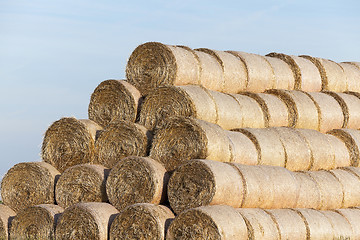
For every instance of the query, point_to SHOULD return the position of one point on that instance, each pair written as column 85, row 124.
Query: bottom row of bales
column 101, row 221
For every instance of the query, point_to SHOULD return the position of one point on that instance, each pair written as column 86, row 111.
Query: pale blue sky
column 54, row 53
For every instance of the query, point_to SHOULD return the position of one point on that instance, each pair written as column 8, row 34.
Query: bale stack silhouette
column 199, row 144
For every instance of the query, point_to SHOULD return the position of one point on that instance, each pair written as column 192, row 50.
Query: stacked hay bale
column 199, row 144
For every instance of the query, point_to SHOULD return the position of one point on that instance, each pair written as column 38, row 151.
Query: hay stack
column 37, row 222
column 136, row 180
column 28, row 184
column 307, row 76
column 119, row 140
column 352, row 215
column 6, row 216
column 86, row 221
column 352, row 73
column 208, row 222
column 141, row 221
column 284, row 77
column 114, row 99
column 340, row 225
column 81, row 183
column 68, row 142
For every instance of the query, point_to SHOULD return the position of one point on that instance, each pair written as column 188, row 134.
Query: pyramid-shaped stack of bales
column 199, row 144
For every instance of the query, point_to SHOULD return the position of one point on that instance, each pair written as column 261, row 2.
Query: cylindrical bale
column 208, row 222
column 259, row 223
column 309, row 192
column 205, row 182
column 284, row 77
column 357, row 64
column 234, row 70
column 297, row 150
column 268, row 187
column 352, row 74
column 36, row 222
column 260, row 73
column 81, row 183
column 307, row 76
column 6, row 216
column 332, row 75
column 351, row 139
column 119, row 140
column 322, row 154
column 141, row 221
column 342, row 155
column 86, row 221
column 353, row 217
column 68, row 142
column 114, row 99
column 330, row 111
column 340, row 225
column 182, row 139
column 303, row 112
column 289, row 223
column 29, row 183
column 244, row 150
column 350, row 105
column 331, row 190
column 350, row 183
column 267, row 141
column 275, row 110
column 136, row 180
column 317, row 224
column 154, row 64
column 353, row 170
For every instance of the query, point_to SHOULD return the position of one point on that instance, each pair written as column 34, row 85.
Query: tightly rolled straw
column 136, row 180
column 340, row 225
column 332, row 74
column 284, row 77
column 352, row 73
column 68, row 142
column 352, row 215
column 141, row 221
column 309, row 192
column 86, row 221
column 81, row 183
column 119, row 140
column 29, row 183
column 114, row 99
column 36, row 222
column 208, row 222
column 259, row 223
column 260, row 75
column 238, row 143
column 357, row 64
column 6, row 216
column 341, row 152
column 307, row 76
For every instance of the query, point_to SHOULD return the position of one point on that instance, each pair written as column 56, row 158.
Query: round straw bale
column 341, row 227
column 352, row 215
column 275, row 110
column 68, row 142
column 351, row 139
column 244, row 150
column 29, row 183
column 81, row 183
column 204, row 182
column 36, row 222
column 121, row 139
column 317, row 224
column 353, row 170
column 309, row 192
column 284, row 77
column 342, row 155
column 267, row 141
column 259, row 223
column 330, row 112
column 260, row 75
column 182, row 139
column 352, row 74
column 289, row 223
column 357, row 64
column 307, row 76
column 154, row 64
column 208, row 222
column 322, row 154
column 141, row 221
column 297, row 150
column 6, row 216
column 331, row 190
column 136, row 180
column 86, row 221
column 113, row 99
column 234, row 70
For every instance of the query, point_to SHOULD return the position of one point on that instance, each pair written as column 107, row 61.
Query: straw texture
column 6, row 216
column 352, row 73
column 284, row 77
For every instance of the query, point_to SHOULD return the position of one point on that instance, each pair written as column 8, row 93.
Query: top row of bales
column 155, row 64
